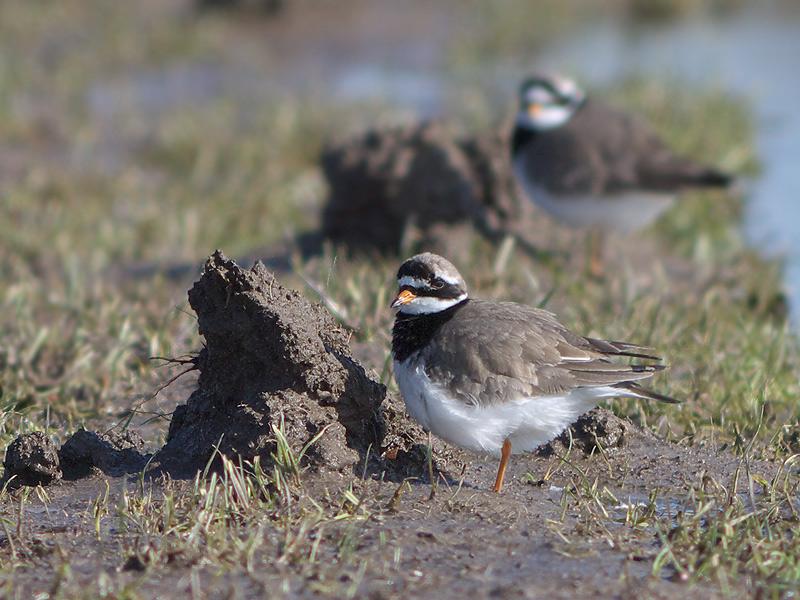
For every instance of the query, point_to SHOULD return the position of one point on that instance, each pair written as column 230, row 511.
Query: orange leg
column 596, row 242
column 501, row 471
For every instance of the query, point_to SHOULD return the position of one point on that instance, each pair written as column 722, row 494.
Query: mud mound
column 31, row 459
column 113, row 453
column 389, row 184
column 272, row 360
column 597, row 429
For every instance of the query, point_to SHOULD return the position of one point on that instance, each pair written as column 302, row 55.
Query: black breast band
column 413, row 332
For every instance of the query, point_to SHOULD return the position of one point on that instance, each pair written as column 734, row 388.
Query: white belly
column 527, row 422
column 624, row 213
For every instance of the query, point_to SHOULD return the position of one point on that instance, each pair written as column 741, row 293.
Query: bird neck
column 526, row 130
column 411, row 333
column 522, row 135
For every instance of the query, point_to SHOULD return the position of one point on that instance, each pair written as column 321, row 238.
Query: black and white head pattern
column 428, row 283
column 548, row 101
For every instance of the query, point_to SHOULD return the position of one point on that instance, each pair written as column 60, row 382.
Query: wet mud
column 416, row 184
column 31, row 459
column 272, row 365
column 113, row 453
column 452, row 537
column 597, row 431
column 271, row 362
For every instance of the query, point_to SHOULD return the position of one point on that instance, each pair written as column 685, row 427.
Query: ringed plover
column 498, row 377
column 590, row 165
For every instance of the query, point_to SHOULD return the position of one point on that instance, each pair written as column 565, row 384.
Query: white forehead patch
column 539, row 95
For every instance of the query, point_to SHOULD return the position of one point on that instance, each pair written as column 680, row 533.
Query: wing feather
column 604, row 151
column 529, row 354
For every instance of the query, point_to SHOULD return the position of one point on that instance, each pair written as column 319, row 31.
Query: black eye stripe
column 425, row 279
column 447, row 291
column 549, row 87
column 540, row 83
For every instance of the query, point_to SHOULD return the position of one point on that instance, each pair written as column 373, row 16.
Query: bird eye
column 437, row 283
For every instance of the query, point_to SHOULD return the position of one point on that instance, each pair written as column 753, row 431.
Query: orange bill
column 403, row 297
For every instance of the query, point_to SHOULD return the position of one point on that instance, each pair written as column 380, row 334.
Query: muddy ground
column 395, row 188
column 535, row 539
column 575, row 519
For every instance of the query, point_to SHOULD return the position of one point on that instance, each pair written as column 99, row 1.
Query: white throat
column 424, row 305
column 548, row 117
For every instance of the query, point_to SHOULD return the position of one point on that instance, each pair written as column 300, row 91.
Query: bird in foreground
column 590, row 165
column 499, row 377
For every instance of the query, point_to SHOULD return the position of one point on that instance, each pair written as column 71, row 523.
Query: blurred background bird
column 592, row 166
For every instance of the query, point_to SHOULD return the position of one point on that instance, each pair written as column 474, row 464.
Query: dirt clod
column 597, row 429
column 114, row 453
column 405, row 449
column 415, row 181
column 32, row 459
column 272, row 361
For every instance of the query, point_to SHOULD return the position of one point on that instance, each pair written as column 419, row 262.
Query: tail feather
column 648, row 394
column 614, row 348
column 681, row 173
column 604, row 366
column 712, row 178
